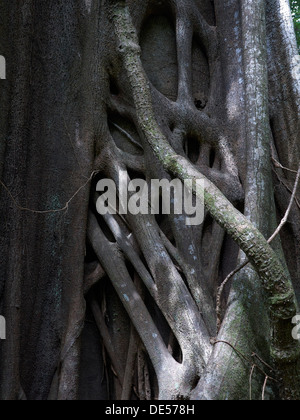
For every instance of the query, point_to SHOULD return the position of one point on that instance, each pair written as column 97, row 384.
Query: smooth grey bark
column 259, row 204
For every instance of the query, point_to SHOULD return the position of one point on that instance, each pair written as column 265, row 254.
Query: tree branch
column 114, row 265
column 275, row 278
column 238, row 269
column 64, row 208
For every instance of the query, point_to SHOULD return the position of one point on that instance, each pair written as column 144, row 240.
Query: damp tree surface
column 130, row 306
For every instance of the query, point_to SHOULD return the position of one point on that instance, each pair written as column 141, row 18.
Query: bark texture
column 124, row 306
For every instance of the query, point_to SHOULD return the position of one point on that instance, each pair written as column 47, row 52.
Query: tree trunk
column 124, row 306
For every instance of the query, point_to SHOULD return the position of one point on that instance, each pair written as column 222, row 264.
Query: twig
column 278, row 165
column 233, row 348
column 253, row 366
column 247, row 359
column 286, row 216
column 220, row 293
column 65, row 208
column 234, row 272
column 250, row 381
column 262, row 361
column 126, row 134
column 286, row 186
column 264, row 388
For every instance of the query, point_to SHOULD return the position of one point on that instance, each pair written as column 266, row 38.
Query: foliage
column 295, row 5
